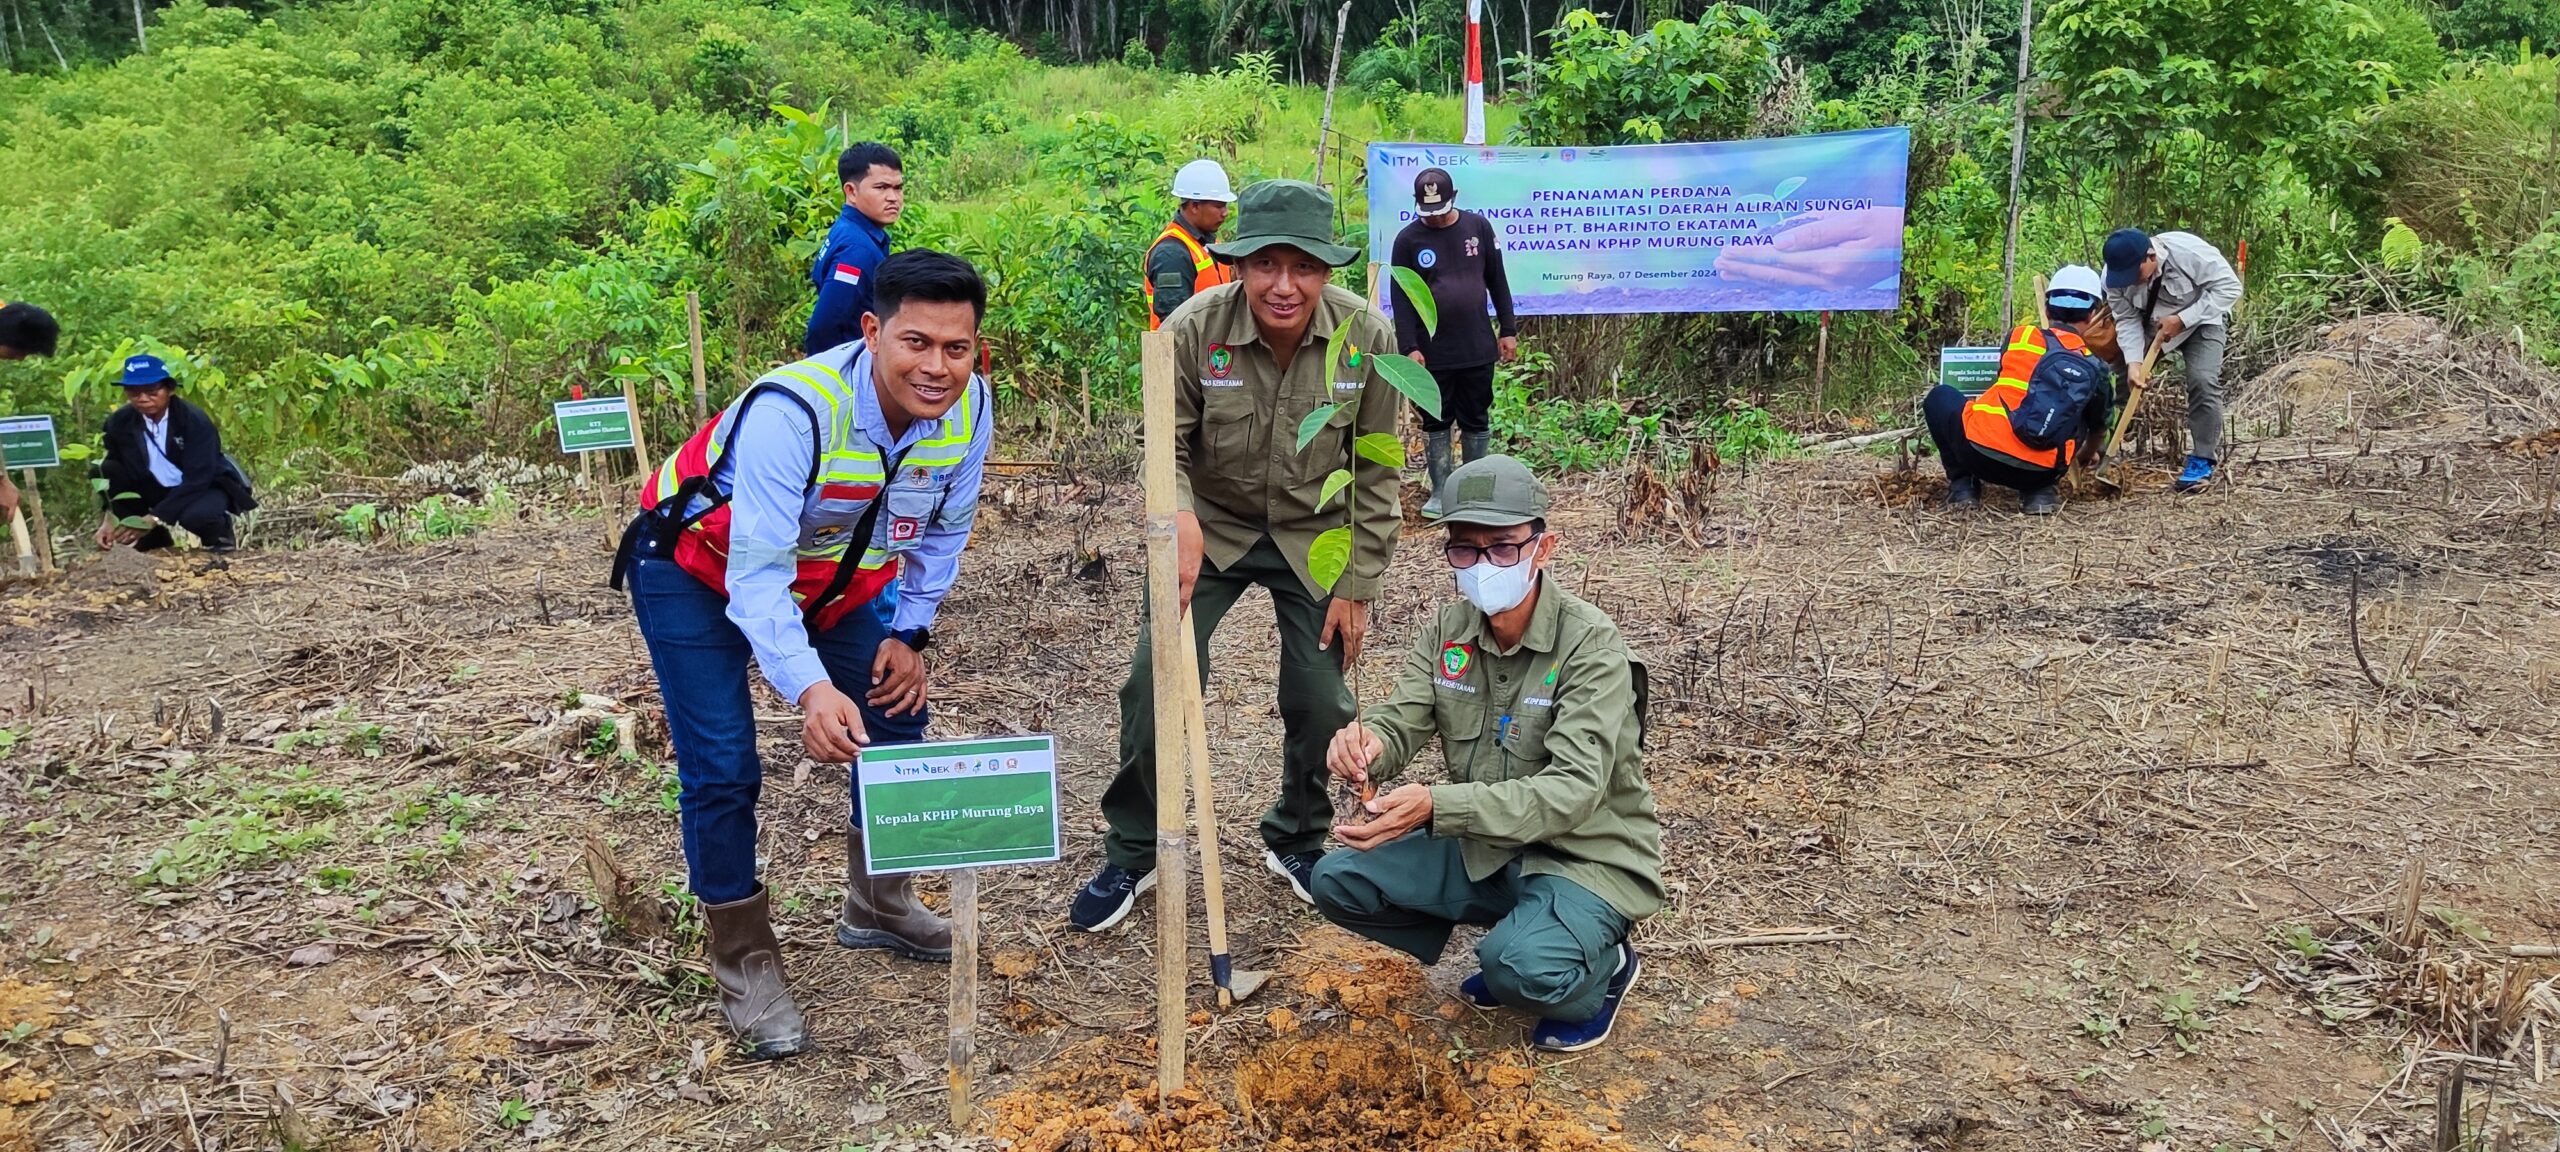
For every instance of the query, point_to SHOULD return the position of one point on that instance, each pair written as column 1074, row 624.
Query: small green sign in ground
column 959, row 804
column 593, row 425
column 28, row 442
column 1970, row 370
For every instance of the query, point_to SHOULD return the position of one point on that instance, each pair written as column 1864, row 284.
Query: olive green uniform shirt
column 1236, row 434
column 1542, row 748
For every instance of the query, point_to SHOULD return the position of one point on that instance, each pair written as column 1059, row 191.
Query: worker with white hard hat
column 1179, row 266
column 2046, row 410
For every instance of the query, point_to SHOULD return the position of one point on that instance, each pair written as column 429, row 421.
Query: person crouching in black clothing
column 164, row 465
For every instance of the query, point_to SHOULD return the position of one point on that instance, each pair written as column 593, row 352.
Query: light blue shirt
column 155, row 438
column 766, row 471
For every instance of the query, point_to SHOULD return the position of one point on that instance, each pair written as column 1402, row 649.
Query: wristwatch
column 914, row 638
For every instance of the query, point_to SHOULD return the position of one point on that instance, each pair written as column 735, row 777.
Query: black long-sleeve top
column 1463, row 265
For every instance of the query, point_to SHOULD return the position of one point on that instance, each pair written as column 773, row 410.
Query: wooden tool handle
column 1195, row 724
column 2132, row 400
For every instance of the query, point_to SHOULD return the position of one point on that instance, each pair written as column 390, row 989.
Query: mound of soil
column 1373, row 1077
column 2371, row 363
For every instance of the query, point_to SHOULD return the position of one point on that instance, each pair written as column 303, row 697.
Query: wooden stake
column 1084, row 377
column 26, row 547
column 964, row 991
column 693, row 329
column 35, row 515
column 1822, row 363
column 639, row 441
column 1164, row 623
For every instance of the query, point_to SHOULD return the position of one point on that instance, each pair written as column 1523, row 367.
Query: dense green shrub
column 1678, row 80
column 2473, row 162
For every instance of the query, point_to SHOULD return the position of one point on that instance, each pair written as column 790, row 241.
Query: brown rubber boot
column 883, row 912
column 746, row 961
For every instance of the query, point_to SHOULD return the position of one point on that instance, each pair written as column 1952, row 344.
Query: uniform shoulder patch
column 1455, row 657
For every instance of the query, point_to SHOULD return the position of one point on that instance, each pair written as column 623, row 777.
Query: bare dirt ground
column 2166, row 823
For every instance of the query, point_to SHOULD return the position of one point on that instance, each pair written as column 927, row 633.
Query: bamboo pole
column 1164, row 621
column 701, row 388
column 964, row 993
column 35, row 516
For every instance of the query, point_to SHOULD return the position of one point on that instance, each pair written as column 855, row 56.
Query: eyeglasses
column 1503, row 555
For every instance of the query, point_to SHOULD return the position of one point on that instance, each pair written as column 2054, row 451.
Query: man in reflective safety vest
column 815, row 525
column 1975, row 440
column 1179, row 265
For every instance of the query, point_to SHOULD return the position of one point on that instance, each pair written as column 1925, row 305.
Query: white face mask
column 1495, row 590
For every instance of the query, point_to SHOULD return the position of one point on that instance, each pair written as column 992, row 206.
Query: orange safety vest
column 1206, row 273
column 1986, row 417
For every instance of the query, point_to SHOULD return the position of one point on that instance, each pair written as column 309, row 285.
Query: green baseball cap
column 1291, row 212
column 1496, row 492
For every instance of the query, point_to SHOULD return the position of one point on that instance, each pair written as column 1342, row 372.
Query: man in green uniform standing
column 1249, row 366
column 1546, row 829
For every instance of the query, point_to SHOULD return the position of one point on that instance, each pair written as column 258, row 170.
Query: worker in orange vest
column 1179, row 266
column 1980, row 438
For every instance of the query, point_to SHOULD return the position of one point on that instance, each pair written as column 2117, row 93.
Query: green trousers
column 1315, row 703
column 1553, row 945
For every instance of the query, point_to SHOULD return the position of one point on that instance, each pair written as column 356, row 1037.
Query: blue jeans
column 703, row 663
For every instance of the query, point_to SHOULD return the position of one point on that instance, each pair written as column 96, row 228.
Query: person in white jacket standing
column 2177, row 289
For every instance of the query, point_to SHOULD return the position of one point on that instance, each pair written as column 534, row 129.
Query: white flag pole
column 1475, row 72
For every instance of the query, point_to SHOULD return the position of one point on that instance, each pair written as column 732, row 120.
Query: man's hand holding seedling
column 1353, row 750
column 1390, row 816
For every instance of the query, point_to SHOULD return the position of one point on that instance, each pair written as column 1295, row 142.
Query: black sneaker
column 2043, row 501
column 1298, row 868
column 1964, row 492
column 1107, row 898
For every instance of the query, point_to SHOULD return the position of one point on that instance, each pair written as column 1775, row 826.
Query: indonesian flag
column 1475, row 72
column 848, row 274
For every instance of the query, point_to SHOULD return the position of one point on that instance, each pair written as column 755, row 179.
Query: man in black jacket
column 165, row 466
column 1459, row 255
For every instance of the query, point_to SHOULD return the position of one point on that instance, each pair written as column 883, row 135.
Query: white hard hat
column 1203, row 180
column 2078, row 281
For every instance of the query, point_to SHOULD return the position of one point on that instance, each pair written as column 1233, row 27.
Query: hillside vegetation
column 392, row 231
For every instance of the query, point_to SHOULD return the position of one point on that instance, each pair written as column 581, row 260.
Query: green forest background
column 383, row 232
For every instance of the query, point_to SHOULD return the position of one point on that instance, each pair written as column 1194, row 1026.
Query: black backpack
column 2058, row 393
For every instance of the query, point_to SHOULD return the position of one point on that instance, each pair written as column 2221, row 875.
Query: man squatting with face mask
column 1545, row 830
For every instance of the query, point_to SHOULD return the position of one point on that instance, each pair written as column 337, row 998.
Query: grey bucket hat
column 1290, row 212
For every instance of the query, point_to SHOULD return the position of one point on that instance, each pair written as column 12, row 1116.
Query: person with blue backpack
column 2047, row 409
